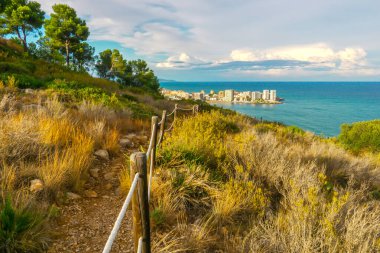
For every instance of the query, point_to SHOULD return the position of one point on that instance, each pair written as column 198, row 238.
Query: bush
column 23, row 81
column 361, row 136
column 14, row 68
column 21, row 230
column 80, row 92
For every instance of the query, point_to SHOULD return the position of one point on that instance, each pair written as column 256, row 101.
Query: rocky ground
column 86, row 220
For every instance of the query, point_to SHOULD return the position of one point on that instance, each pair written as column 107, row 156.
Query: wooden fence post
column 162, row 127
column 140, row 204
column 175, row 111
column 152, row 155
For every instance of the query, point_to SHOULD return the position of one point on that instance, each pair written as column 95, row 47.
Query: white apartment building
column 229, row 95
column 256, row 95
column 266, row 95
column 198, row 96
column 273, row 95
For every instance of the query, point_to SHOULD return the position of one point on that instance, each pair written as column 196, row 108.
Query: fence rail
column 140, row 190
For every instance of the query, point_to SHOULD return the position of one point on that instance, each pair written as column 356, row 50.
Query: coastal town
column 226, row 96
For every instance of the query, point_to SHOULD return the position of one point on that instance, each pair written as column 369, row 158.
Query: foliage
column 138, row 74
column 65, row 29
column 43, row 50
column 21, row 17
column 361, row 136
column 22, row 81
column 21, row 230
column 104, row 63
column 112, row 65
column 228, row 183
column 81, row 92
column 83, row 57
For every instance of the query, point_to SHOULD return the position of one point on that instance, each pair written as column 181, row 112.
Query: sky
column 240, row 40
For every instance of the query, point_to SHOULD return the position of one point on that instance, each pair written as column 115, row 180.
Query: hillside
column 225, row 182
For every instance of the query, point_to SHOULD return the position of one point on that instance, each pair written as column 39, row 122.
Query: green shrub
column 23, row 81
column 361, row 136
column 21, row 230
column 81, row 92
column 14, row 68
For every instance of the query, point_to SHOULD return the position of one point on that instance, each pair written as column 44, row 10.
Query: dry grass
column 225, row 185
column 43, row 138
column 52, row 142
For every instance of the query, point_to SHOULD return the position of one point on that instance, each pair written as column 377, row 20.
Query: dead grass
column 225, row 185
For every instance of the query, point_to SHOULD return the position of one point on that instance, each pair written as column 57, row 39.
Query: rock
column 126, row 143
column 143, row 138
column 29, row 91
column 36, row 185
column 117, row 191
column 108, row 186
column 102, row 153
column 72, row 196
column 94, row 173
column 109, row 176
column 90, row 194
column 131, row 136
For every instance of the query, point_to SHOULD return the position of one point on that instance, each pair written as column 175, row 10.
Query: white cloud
column 319, row 54
column 182, row 60
column 284, row 60
column 216, row 32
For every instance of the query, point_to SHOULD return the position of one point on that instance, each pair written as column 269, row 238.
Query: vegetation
column 65, row 30
column 361, row 136
column 229, row 183
column 224, row 182
column 111, row 65
column 21, row 17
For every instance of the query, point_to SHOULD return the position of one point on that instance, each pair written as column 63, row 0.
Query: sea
column 319, row 107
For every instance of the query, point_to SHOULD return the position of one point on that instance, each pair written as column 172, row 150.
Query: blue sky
column 240, row 40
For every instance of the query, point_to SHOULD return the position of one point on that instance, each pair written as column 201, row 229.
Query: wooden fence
column 141, row 175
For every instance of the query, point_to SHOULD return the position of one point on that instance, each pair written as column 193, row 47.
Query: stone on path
column 72, row 196
column 126, row 143
column 36, row 185
column 94, row 173
column 102, row 153
column 109, row 176
column 90, row 194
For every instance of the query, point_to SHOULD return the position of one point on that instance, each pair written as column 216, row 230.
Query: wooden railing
column 139, row 192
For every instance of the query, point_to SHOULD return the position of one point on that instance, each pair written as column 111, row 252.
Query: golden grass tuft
column 111, row 140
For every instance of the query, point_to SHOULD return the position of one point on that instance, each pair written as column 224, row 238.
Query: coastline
column 244, row 102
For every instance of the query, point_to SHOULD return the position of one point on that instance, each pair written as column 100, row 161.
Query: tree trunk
column 67, row 53
column 24, row 39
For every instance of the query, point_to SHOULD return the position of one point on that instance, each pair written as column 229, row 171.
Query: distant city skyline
column 240, row 40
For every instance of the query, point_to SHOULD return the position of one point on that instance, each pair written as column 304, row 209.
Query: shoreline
column 241, row 102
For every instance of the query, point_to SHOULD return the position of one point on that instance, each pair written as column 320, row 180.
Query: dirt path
column 85, row 223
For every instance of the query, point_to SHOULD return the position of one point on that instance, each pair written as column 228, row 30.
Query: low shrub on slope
column 225, row 184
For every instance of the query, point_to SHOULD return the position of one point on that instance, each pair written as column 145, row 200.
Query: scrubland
column 226, row 183
column 223, row 183
column 47, row 140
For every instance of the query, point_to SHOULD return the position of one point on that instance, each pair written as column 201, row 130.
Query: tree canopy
column 20, row 18
column 63, row 40
column 65, row 29
column 111, row 65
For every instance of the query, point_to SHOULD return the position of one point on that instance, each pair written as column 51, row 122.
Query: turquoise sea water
column 320, row 107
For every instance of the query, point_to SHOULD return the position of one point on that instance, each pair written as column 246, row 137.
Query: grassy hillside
column 21, row 71
column 52, row 120
column 227, row 183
